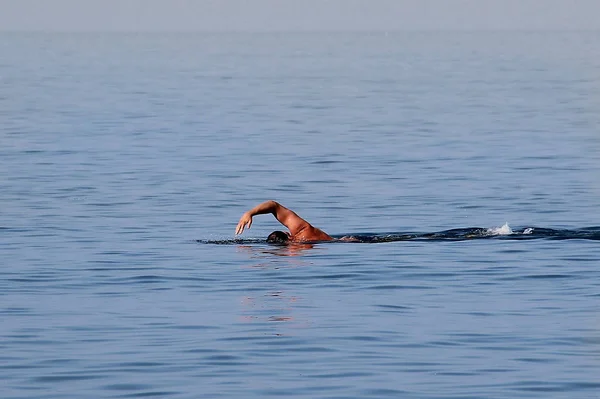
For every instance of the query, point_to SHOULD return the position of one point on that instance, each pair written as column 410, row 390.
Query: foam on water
column 500, row 231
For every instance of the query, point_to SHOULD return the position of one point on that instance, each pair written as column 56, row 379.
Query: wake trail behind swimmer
column 459, row 234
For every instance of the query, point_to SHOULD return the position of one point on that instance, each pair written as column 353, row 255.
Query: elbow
column 273, row 206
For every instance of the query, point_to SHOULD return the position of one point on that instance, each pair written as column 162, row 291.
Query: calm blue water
column 119, row 151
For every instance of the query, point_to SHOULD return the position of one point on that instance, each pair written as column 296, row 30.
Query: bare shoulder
column 290, row 219
column 311, row 233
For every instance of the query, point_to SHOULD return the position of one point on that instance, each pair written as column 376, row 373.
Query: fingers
column 244, row 223
column 240, row 228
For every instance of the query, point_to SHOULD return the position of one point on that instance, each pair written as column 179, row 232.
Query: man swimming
column 299, row 229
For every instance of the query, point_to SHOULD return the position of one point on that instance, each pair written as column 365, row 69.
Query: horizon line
column 360, row 30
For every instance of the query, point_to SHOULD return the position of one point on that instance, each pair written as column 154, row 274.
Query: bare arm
column 285, row 216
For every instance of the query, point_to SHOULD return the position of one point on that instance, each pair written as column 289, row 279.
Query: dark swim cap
column 278, row 237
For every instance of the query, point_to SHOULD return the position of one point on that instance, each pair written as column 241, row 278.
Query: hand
column 245, row 222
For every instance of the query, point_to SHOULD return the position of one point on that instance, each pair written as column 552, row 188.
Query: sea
column 465, row 164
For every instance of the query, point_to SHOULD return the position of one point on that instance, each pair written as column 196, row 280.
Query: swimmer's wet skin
column 299, row 229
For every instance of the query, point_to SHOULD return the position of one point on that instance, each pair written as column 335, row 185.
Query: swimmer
column 299, row 229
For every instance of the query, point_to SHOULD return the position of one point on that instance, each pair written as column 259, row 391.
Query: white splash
column 500, row 231
column 528, row 230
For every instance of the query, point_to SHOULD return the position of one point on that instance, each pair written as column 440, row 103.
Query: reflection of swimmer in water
column 300, row 229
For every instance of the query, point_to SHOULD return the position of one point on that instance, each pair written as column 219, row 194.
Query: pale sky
column 297, row 15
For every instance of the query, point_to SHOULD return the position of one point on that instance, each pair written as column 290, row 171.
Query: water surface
column 126, row 157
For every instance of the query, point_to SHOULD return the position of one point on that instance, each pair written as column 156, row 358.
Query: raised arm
column 285, row 216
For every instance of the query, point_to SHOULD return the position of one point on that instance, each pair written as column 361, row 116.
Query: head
column 278, row 237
